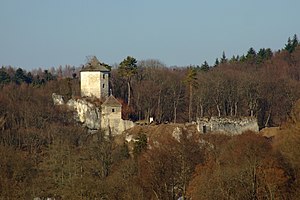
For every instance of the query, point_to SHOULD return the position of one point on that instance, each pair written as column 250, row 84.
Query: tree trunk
column 235, row 108
column 231, row 110
column 268, row 119
column 190, row 103
column 175, row 112
column 129, row 93
column 159, row 112
column 201, row 110
column 254, row 185
column 219, row 110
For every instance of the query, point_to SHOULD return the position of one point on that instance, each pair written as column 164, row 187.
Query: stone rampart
column 227, row 125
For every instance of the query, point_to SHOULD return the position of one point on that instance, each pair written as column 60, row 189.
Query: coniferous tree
column 204, row 67
column 269, row 53
column 216, row 62
column 261, row 55
column 234, row 59
column 20, row 76
column 289, row 46
column 128, row 68
column 223, row 59
column 251, row 54
column 4, row 76
column 242, row 58
column 29, row 78
column 295, row 42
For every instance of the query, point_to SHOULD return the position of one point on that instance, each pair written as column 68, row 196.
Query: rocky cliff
column 86, row 113
column 90, row 116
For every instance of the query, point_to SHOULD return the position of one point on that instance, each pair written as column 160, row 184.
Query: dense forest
column 45, row 153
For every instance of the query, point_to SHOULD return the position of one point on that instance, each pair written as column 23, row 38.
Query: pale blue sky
column 46, row 33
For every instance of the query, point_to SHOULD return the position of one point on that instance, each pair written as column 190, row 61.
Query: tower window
column 113, row 110
column 103, row 85
column 103, row 76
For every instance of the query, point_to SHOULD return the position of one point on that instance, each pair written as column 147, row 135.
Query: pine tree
column 261, row 55
column 269, row 53
column 289, row 46
column 204, row 67
column 251, row 56
column 128, row 68
column 251, row 53
column 4, row 76
column 234, row 59
column 216, row 62
column 292, row 44
column 20, row 76
column 295, row 42
column 223, row 59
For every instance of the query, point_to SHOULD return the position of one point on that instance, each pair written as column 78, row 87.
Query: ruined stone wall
column 116, row 126
column 231, row 126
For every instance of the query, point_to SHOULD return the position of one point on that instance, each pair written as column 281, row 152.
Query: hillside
column 45, row 153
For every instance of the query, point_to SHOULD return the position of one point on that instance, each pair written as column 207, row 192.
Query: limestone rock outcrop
column 86, row 113
column 95, row 117
column 58, row 99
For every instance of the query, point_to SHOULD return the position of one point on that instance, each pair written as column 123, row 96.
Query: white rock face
column 86, row 113
column 58, row 99
column 130, row 138
column 91, row 117
column 177, row 133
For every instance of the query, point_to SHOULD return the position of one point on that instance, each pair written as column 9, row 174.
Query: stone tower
column 94, row 79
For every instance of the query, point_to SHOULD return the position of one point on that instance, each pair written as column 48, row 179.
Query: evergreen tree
column 261, row 55
column 20, row 76
column 242, row 58
column 4, row 76
column 264, row 54
column 269, row 53
column 251, row 56
column 292, row 44
column 234, row 59
column 128, row 68
column 29, row 78
column 216, row 62
column 204, row 67
column 223, row 59
column 295, row 42
column 289, row 46
column 251, row 53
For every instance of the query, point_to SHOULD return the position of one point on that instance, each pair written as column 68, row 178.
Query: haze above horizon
column 51, row 33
